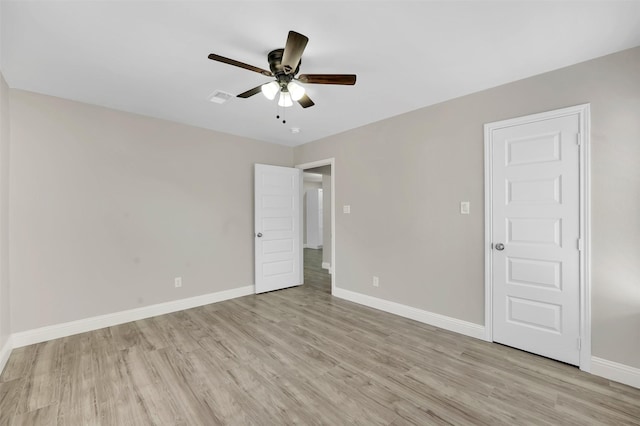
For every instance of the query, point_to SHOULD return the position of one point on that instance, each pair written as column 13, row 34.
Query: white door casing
column 278, row 234
column 536, row 178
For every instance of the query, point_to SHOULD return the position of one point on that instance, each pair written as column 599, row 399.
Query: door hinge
column 580, row 244
column 579, row 343
column 579, row 139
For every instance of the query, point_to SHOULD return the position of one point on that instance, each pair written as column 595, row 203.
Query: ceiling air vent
column 220, row 97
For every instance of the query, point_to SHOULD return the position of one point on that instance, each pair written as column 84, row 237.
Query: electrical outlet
column 376, row 281
column 464, row 207
column 346, row 209
column 178, row 282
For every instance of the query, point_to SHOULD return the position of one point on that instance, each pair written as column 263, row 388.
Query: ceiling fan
column 284, row 65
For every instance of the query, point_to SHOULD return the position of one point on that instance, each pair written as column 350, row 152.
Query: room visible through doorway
column 314, row 275
column 317, row 224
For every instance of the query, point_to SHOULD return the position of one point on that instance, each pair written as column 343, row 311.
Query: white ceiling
column 150, row 57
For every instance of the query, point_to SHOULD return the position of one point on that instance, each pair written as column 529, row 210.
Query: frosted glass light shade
column 297, row 91
column 285, row 100
column 270, row 90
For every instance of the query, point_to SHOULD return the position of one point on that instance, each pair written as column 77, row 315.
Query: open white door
column 278, row 236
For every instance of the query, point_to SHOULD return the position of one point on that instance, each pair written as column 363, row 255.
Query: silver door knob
column 499, row 246
column 259, row 234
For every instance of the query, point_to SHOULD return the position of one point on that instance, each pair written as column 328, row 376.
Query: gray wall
column 306, row 184
column 5, row 326
column 311, row 185
column 108, row 207
column 326, row 217
column 405, row 176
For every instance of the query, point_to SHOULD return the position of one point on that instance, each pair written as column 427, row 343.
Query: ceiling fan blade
column 222, row 59
column 250, row 92
column 346, row 79
column 305, row 102
column 296, row 43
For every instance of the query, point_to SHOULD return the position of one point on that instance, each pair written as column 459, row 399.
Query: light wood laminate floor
column 314, row 275
column 297, row 356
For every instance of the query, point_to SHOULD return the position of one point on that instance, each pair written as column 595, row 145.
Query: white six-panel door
column 278, row 236
column 536, row 235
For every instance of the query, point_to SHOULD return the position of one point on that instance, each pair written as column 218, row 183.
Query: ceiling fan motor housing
column 275, row 64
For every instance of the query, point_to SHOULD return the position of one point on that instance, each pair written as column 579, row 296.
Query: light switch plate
column 346, row 209
column 464, row 207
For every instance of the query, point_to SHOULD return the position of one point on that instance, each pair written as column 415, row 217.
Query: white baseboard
column 452, row 324
column 56, row 331
column 327, row 266
column 5, row 352
column 615, row 371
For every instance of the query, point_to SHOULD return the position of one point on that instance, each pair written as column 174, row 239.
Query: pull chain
column 284, row 114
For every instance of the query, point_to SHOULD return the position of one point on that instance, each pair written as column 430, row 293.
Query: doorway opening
column 318, row 223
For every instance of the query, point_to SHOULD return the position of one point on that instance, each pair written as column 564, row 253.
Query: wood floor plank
column 228, row 401
column 42, row 385
column 9, row 395
column 43, row 416
column 297, row 356
column 118, row 402
column 180, row 382
column 19, row 363
column 78, row 403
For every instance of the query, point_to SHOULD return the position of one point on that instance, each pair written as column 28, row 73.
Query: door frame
column 327, row 162
column 584, row 114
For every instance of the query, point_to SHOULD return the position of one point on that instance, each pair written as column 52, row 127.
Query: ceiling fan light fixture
column 296, row 90
column 285, row 100
column 270, row 90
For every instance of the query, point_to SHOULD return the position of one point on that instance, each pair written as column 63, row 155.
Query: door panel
column 278, row 237
column 536, row 215
column 535, row 272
